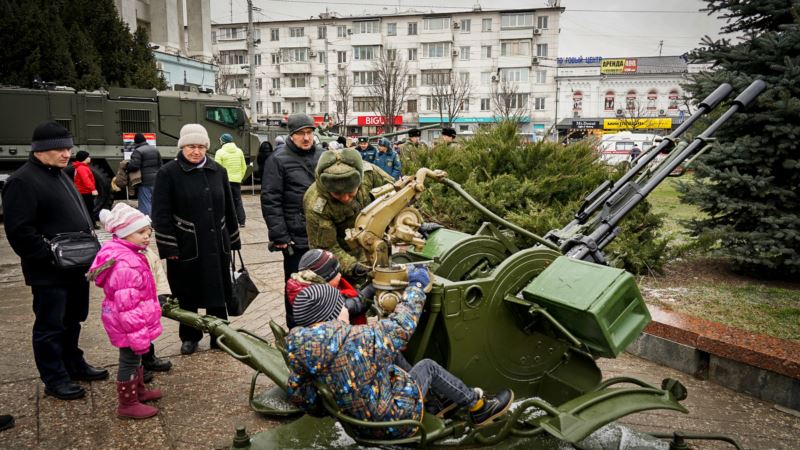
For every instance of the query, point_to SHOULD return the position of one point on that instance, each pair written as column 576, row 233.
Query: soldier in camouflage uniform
column 332, row 203
column 413, row 143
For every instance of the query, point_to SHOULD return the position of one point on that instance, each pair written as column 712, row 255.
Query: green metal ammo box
column 600, row 305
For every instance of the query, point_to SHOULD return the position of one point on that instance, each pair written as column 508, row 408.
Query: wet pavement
column 205, row 394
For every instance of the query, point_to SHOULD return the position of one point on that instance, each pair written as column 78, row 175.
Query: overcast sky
column 588, row 27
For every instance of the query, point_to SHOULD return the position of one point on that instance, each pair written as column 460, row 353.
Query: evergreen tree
column 87, row 61
column 748, row 184
column 146, row 74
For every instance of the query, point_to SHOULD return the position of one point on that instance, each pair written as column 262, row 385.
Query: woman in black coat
column 196, row 229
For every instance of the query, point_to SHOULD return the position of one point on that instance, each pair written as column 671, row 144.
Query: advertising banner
column 637, row 123
column 377, row 121
column 610, row 66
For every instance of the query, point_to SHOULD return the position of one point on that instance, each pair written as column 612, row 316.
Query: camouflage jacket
column 412, row 147
column 327, row 218
column 356, row 363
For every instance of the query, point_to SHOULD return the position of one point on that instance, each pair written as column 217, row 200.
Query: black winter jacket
column 146, row 158
column 40, row 202
column 194, row 219
column 287, row 176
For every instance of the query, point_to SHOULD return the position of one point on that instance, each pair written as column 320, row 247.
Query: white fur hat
column 194, row 133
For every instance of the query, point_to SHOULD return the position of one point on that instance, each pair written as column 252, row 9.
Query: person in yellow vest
column 231, row 158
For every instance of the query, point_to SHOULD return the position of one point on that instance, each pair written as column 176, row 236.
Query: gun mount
column 497, row 316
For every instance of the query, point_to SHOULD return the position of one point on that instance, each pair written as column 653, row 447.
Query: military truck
column 104, row 122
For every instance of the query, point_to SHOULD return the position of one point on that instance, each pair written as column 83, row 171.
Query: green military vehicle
column 104, row 122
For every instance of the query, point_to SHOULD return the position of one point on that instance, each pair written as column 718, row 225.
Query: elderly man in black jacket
column 287, row 176
column 146, row 158
column 40, row 201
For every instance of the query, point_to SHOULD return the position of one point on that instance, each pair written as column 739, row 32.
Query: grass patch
column 664, row 200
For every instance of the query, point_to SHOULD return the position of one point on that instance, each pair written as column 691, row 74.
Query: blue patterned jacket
column 356, row 364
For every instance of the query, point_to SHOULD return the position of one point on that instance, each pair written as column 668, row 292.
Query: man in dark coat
column 39, row 202
column 287, row 176
column 196, row 228
column 146, row 158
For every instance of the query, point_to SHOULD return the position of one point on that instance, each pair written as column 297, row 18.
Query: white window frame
column 365, row 52
column 515, row 75
column 517, row 47
column 436, row 23
column 436, row 50
column 542, row 22
column 412, row 54
column 516, row 20
column 486, row 104
column 486, row 24
column 465, row 25
column 391, row 29
column 463, row 53
column 297, row 32
column 367, row 27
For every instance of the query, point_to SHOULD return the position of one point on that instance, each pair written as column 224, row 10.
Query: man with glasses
column 40, row 201
column 287, row 176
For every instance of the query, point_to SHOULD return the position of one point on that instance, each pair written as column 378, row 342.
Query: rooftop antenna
column 476, row 7
column 660, row 47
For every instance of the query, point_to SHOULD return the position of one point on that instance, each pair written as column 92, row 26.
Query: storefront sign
column 585, row 124
column 619, row 65
column 631, row 64
column 579, row 60
column 637, row 123
column 377, row 121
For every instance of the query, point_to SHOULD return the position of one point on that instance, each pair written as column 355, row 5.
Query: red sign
column 128, row 137
column 377, row 121
column 631, row 64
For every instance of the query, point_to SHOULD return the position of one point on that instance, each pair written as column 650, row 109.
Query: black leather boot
column 152, row 363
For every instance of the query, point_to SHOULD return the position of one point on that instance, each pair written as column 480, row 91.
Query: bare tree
column 343, row 96
column 635, row 116
column 389, row 87
column 225, row 82
column 507, row 102
column 449, row 94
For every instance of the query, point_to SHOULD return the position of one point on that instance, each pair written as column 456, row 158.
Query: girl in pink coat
column 131, row 312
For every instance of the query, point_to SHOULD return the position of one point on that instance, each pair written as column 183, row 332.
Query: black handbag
column 73, row 250
column 244, row 290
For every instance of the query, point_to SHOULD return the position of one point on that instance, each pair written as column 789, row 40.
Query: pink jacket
column 131, row 312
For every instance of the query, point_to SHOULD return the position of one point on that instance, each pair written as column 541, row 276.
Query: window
column 577, row 101
column 341, row 31
column 371, row 26
column 276, row 108
column 276, row 83
column 541, row 49
column 322, row 57
column 276, row 58
column 465, row 105
column 340, row 107
column 321, row 81
column 391, row 54
column 294, row 54
column 486, row 104
column 608, row 105
column 298, row 107
column 228, row 116
column 436, row 24
column 486, row 25
column 256, row 34
column 411, row 106
column 486, row 78
column 364, row 104
column 257, row 59
column 674, row 97
column 436, row 50
column 465, row 25
column 238, row 82
column 322, row 32
column 652, row 97
column 230, row 34
column 435, row 77
column 516, row 20
column 520, row 47
column 486, row 51
column 412, row 81
column 259, row 107
column 365, row 52
column 229, row 57
column 296, row 32
column 431, row 103
column 297, row 80
column 464, row 77
column 630, row 100
column 274, row 34
column 364, row 78
column 516, row 75
column 541, row 76
column 259, row 84
column 463, row 53
column 412, row 54
column 341, row 57
column 538, row 104
column 412, row 28
column 515, row 101
column 391, row 29
column 541, row 22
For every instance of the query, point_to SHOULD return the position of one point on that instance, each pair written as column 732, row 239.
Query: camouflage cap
column 340, row 170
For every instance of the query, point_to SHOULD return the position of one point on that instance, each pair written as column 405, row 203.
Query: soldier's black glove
column 427, row 228
column 360, row 270
column 163, row 299
column 355, row 305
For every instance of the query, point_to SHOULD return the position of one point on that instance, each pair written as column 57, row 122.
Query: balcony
column 231, row 44
column 436, row 36
column 445, row 63
column 295, row 67
column 361, row 65
column 295, row 92
column 294, row 42
column 366, row 39
column 514, row 61
column 516, row 33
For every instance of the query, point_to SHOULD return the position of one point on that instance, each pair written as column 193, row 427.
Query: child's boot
column 145, row 395
column 490, row 408
column 129, row 405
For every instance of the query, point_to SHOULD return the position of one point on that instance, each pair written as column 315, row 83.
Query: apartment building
column 299, row 62
column 599, row 95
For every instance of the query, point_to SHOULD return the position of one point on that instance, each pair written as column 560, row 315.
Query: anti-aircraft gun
column 498, row 316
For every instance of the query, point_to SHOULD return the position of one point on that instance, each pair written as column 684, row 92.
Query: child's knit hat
column 321, row 262
column 317, row 303
column 123, row 220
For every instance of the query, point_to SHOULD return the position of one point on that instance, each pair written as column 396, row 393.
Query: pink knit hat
column 123, row 220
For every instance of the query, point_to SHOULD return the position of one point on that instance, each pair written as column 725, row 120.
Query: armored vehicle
column 104, row 123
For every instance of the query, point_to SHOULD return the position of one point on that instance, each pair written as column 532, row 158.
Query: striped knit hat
column 317, row 303
column 123, row 220
column 321, row 262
